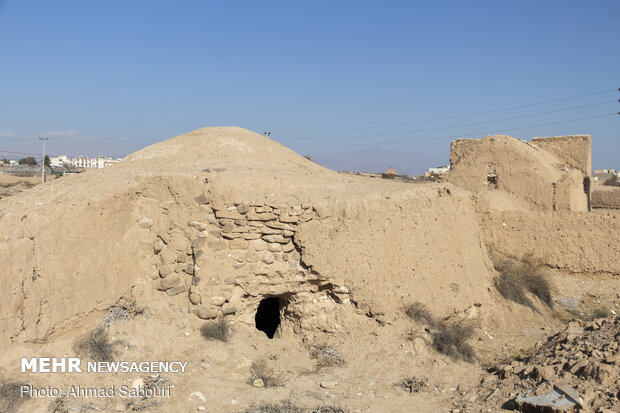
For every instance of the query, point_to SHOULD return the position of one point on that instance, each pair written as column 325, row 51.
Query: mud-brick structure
column 548, row 174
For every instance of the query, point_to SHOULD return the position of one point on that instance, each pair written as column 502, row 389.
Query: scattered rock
column 217, row 300
column 228, row 309
column 206, row 313
column 195, row 299
column 171, row 280
column 164, row 236
column 164, row 271
column 197, row 396
column 145, row 223
column 175, row 290
column 329, row 384
column 158, row 246
column 258, row 383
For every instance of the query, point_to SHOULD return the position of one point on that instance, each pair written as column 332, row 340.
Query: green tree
column 5, row 161
column 47, row 160
column 28, row 161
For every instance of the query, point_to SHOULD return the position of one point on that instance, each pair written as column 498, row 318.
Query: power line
column 456, row 126
column 454, row 116
column 453, row 136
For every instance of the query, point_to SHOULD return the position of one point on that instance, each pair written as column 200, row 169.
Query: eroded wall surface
column 574, row 152
column 606, row 197
column 577, row 242
column 511, row 174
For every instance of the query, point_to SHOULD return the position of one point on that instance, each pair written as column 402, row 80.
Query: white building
column 83, row 161
column 58, row 160
column 440, row 170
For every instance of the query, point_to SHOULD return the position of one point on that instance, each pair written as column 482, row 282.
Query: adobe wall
column 324, row 259
column 508, row 173
column 574, row 152
column 577, row 242
column 607, row 197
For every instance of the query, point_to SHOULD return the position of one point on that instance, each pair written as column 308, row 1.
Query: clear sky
column 109, row 77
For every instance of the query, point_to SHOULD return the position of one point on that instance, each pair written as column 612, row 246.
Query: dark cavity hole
column 268, row 316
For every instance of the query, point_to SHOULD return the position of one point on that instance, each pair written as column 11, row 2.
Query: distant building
column 600, row 176
column 84, row 161
column 390, row 173
column 440, row 170
column 58, row 160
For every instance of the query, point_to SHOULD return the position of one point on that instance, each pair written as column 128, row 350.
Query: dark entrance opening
column 268, row 316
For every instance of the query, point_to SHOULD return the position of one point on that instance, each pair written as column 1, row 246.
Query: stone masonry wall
column 237, row 254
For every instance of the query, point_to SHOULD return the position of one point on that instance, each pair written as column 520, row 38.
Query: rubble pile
column 581, row 364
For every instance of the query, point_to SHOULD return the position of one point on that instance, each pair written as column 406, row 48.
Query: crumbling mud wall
column 62, row 265
column 606, row 197
column 421, row 245
column 576, row 242
column 573, row 152
column 510, row 174
column 229, row 257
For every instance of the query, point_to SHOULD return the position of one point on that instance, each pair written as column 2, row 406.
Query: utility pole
column 43, row 161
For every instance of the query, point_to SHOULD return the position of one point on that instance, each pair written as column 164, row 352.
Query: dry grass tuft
column 97, row 345
column 326, row 356
column 451, row 340
column 286, row 406
column 261, row 369
column 216, row 330
column 447, row 338
column 11, row 395
column 58, row 405
column 418, row 313
column 412, row 384
column 517, row 278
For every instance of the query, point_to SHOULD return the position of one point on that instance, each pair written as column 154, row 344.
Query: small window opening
column 268, row 316
column 492, row 180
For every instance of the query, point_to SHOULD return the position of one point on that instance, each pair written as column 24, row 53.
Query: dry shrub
column 97, row 345
column 447, row 338
column 216, row 330
column 451, row 340
column 326, row 356
column 328, row 409
column 287, row 406
column 412, row 384
column 418, row 313
column 587, row 314
column 517, row 278
column 261, row 369
column 11, row 395
column 122, row 312
column 58, row 405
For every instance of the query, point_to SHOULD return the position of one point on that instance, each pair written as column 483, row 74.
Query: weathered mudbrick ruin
column 239, row 259
column 399, row 280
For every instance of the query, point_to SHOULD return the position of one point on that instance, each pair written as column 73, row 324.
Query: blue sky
column 110, row 77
